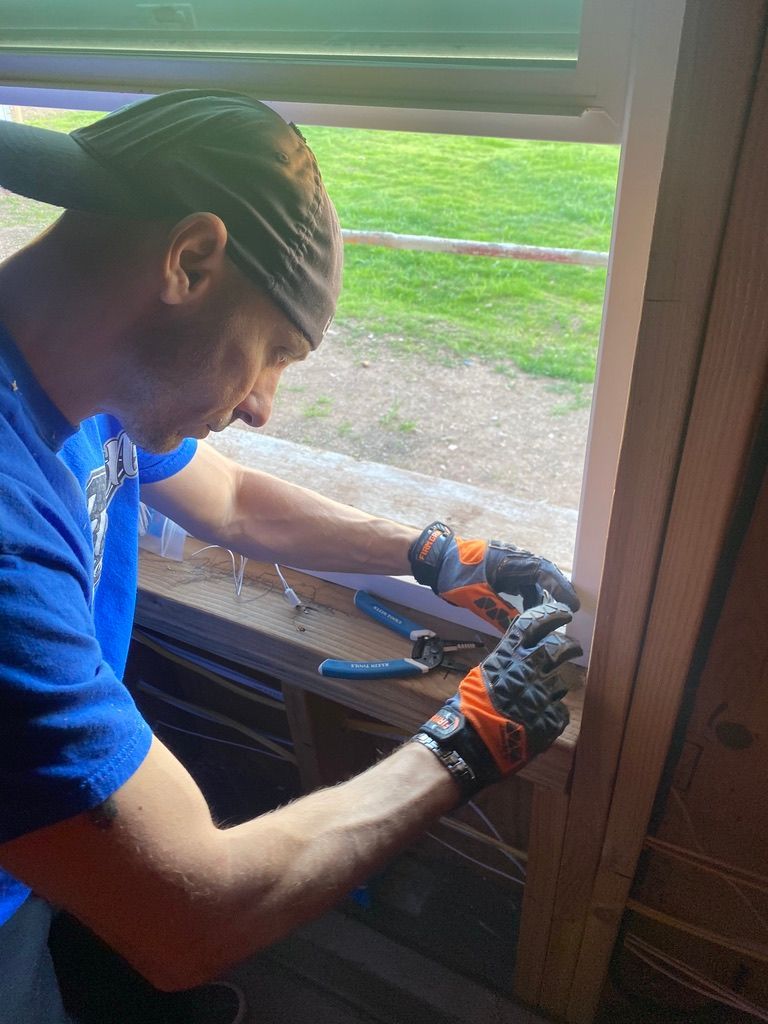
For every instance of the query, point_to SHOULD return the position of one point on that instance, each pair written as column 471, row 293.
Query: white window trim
column 656, row 36
column 582, row 103
column 632, row 50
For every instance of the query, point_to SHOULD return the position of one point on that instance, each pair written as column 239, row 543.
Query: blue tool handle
column 371, row 669
column 386, row 616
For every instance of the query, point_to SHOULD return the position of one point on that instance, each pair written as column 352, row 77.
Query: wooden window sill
column 194, row 601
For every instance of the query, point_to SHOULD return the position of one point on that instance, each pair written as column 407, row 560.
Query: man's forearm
column 310, row 531
column 271, row 520
column 319, row 848
column 182, row 899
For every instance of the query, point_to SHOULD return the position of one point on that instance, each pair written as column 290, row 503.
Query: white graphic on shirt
column 120, row 462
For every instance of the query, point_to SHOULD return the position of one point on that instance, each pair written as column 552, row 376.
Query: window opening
column 450, row 384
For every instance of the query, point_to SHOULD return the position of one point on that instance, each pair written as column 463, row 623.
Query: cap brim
column 51, row 167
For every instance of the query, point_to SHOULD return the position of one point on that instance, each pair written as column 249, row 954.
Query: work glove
column 508, row 709
column 473, row 573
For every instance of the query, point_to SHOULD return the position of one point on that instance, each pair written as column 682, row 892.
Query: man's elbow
column 173, row 976
column 192, row 953
column 184, row 967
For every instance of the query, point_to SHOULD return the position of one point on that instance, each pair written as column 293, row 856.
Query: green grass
column 392, row 420
column 321, row 407
column 544, row 318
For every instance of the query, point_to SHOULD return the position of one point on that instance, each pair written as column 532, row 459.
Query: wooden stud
column 318, row 733
column 719, row 51
column 730, row 391
column 547, row 831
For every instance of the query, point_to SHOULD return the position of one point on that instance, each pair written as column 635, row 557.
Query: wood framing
column 317, row 729
column 697, row 388
column 545, row 846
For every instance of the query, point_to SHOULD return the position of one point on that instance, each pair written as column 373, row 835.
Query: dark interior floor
column 278, row 994
column 338, row 969
column 335, row 970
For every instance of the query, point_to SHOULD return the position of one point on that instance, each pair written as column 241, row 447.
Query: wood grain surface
column 194, row 601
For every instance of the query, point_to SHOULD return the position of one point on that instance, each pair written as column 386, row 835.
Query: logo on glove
column 428, row 545
column 446, row 722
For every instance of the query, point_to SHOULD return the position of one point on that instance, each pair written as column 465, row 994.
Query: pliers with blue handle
column 428, row 649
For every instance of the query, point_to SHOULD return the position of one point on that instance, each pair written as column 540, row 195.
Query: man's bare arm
column 269, row 519
column 181, row 899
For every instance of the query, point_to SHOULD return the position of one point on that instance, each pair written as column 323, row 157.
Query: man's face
column 223, row 364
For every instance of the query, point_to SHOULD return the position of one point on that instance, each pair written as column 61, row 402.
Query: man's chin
column 156, row 443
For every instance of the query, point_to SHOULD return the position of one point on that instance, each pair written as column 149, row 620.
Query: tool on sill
column 429, row 650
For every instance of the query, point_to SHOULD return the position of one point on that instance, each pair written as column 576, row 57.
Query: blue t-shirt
column 70, row 733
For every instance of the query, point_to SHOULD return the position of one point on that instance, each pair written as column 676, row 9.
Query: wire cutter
column 429, row 651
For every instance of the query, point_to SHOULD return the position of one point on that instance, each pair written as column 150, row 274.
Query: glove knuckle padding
column 534, row 624
column 520, row 679
column 508, row 568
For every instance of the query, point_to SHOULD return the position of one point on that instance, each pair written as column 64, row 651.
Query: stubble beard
column 156, row 439
column 147, row 422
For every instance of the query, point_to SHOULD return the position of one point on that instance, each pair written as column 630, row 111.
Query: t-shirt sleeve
column 153, row 467
column 70, row 733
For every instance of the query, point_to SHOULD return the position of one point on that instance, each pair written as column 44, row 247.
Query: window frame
column 632, row 48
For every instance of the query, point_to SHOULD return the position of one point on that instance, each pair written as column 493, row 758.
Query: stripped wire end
column 289, row 593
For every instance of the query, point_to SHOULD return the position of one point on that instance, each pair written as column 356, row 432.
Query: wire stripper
column 429, row 650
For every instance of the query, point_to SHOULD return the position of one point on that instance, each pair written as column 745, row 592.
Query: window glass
column 493, row 31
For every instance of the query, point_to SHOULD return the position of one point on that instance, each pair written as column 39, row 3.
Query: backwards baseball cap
column 190, row 151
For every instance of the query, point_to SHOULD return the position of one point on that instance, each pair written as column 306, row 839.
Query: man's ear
column 194, row 258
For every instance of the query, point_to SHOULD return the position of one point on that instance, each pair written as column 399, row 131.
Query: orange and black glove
column 509, row 708
column 474, row 573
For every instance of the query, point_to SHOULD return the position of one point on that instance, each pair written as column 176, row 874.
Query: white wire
column 706, row 988
column 466, row 856
column 497, row 835
column 224, row 675
column 634, row 943
column 238, row 572
column 217, row 739
column 289, row 593
column 729, row 881
column 214, row 716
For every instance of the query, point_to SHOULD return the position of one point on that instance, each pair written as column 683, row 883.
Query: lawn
column 544, row 318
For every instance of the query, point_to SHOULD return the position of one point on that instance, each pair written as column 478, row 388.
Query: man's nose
column 256, row 407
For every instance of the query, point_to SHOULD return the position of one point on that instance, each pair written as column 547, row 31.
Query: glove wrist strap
column 460, row 746
column 454, row 764
column 426, row 553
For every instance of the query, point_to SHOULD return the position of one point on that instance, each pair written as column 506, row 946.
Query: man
column 198, row 258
